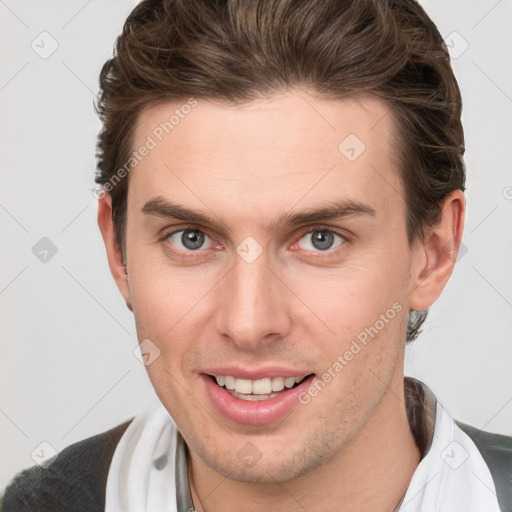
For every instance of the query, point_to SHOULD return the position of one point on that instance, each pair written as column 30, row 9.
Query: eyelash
column 185, row 255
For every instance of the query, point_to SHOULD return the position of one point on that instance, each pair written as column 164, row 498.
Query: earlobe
column 436, row 255
column 114, row 255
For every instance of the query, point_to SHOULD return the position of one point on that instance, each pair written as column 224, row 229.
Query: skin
column 350, row 447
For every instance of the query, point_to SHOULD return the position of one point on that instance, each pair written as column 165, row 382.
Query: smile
column 260, row 389
column 255, row 402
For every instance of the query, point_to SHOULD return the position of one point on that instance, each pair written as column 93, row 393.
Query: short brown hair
column 236, row 51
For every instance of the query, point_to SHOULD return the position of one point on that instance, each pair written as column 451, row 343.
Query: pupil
column 322, row 240
column 192, row 239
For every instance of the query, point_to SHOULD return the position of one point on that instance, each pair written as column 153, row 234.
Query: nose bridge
column 251, row 306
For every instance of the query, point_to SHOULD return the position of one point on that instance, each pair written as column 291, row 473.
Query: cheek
column 158, row 306
column 351, row 298
column 172, row 308
column 161, row 293
column 165, row 315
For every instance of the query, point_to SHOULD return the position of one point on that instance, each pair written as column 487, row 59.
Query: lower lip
column 259, row 412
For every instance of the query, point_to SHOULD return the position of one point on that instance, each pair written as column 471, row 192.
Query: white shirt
column 451, row 477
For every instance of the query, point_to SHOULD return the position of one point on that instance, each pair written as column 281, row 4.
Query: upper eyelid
column 166, row 233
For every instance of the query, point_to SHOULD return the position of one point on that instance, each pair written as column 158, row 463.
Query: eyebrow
column 331, row 210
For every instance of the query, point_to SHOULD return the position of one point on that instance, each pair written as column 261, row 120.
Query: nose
column 253, row 307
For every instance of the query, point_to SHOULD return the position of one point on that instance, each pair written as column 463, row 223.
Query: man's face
column 250, row 295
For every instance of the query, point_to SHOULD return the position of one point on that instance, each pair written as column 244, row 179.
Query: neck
column 372, row 472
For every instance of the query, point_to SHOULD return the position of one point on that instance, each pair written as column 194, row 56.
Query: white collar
column 151, row 454
column 149, row 457
column 452, row 476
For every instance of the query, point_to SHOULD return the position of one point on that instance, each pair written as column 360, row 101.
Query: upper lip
column 256, row 373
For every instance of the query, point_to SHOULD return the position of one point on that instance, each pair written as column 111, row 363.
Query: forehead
column 268, row 153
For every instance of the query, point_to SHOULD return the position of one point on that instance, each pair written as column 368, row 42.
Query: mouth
column 259, row 389
column 255, row 402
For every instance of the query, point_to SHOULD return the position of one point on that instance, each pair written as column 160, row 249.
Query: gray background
column 67, row 365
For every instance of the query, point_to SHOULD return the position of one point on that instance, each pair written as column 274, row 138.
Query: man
column 282, row 201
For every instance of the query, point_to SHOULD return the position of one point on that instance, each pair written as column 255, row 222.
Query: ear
column 435, row 256
column 115, row 258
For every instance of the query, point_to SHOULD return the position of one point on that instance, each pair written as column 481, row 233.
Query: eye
column 322, row 240
column 187, row 240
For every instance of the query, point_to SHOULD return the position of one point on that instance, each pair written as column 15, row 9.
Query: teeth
column 252, row 398
column 229, row 382
column 263, row 387
column 289, row 382
column 243, row 386
column 277, row 383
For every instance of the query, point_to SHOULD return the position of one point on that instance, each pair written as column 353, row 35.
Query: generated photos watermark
column 356, row 346
column 157, row 135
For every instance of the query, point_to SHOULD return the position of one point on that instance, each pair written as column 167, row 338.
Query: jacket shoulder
column 75, row 479
column 496, row 450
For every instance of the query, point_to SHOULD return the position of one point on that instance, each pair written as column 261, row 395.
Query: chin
column 254, row 463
